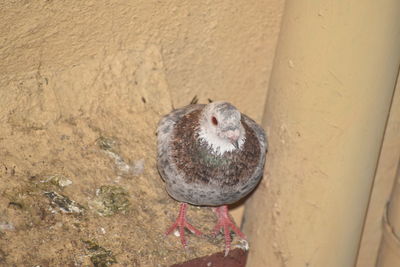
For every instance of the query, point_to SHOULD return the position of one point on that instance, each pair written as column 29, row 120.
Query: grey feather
column 190, row 182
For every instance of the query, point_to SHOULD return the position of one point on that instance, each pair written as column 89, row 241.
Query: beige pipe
column 389, row 252
column 328, row 101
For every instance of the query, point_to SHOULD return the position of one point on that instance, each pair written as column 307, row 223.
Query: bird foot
column 181, row 223
column 227, row 224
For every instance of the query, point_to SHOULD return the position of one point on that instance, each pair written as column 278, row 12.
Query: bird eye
column 214, row 120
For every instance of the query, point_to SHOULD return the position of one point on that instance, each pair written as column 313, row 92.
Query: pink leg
column 181, row 223
column 225, row 222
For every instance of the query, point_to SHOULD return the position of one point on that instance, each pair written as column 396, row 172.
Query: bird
column 209, row 155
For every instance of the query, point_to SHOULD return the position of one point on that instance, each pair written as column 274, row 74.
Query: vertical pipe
column 389, row 251
column 328, row 101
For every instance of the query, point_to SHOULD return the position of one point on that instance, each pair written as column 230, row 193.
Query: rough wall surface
column 211, row 49
column 82, row 86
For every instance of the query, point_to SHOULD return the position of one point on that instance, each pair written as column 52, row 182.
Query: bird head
column 222, row 127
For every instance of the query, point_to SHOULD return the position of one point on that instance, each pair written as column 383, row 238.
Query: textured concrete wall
column 210, row 49
column 73, row 72
column 82, row 86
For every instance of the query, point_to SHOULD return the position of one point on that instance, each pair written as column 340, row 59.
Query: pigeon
column 209, row 155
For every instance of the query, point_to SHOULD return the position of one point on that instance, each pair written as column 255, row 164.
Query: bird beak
column 233, row 137
column 235, row 143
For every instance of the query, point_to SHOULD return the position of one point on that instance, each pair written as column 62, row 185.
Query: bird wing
column 165, row 131
column 260, row 133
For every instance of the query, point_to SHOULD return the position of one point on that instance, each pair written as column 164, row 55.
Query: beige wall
column 62, row 60
column 211, row 49
column 74, row 72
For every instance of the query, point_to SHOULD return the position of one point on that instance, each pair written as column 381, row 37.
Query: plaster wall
column 210, row 49
column 73, row 73
column 82, row 86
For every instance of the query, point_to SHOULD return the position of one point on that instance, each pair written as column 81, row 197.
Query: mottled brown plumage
column 191, row 155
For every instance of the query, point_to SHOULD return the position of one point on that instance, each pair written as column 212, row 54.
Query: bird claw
column 226, row 224
column 180, row 224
